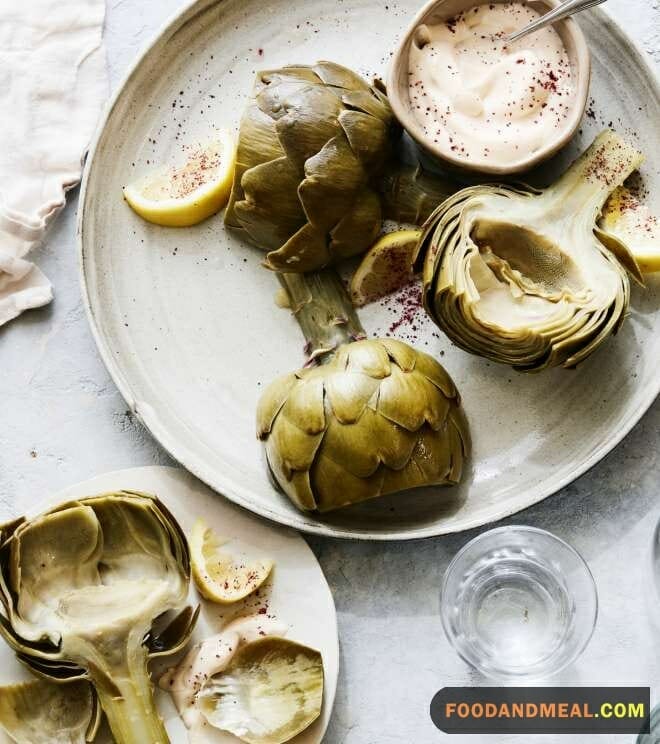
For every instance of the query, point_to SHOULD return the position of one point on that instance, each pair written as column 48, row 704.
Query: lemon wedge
column 385, row 267
column 187, row 194
column 222, row 575
column 628, row 219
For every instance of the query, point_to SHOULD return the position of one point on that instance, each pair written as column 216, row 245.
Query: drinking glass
column 518, row 603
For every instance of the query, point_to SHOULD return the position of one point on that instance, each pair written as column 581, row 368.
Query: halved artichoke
column 374, row 417
column 43, row 712
column 270, row 692
column 525, row 277
column 82, row 586
column 316, row 168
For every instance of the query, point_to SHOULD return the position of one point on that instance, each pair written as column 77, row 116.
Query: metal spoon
column 562, row 11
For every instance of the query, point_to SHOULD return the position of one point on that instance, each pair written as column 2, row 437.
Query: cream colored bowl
column 438, row 11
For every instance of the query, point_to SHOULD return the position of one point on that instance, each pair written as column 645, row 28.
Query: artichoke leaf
column 300, row 490
column 208, row 658
column 52, row 671
column 436, row 374
column 411, row 400
column 348, row 394
column 312, row 118
column 297, row 446
column 271, row 402
column 368, row 102
column 293, row 74
column 264, row 184
column 305, row 404
column 339, row 77
column 411, row 193
column 622, row 253
column 370, row 359
column 305, row 250
column 352, row 235
column 258, row 144
column 46, row 568
column 335, row 486
column 427, row 463
column 367, row 135
column 174, row 636
column 332, row 178
column 41, row 712
column 271, row 691
column 405, row 357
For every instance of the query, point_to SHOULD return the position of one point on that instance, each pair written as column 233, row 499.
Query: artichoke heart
column 527, row 277
column 376, row 418
column 43, row 712
column 81, row 587
column 270, row 692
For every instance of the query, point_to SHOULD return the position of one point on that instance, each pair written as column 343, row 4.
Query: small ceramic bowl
column 438, row 11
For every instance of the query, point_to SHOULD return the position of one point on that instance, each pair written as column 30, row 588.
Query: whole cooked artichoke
column 365, row 418
column 316, row 168
column 81, row 586
column 526, row 277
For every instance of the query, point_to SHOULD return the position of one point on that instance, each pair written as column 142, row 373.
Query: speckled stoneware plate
column 296, row 594
column 186, row 321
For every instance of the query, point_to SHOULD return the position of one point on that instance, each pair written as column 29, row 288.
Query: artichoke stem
column 588, row 183
column 324, row 311
column 126, row 696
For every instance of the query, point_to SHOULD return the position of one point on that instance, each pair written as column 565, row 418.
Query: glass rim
column 520, row 528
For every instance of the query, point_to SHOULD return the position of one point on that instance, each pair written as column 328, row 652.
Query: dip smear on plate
column 487, row 101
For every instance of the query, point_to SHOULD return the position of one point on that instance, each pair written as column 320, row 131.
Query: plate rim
column 232, row 491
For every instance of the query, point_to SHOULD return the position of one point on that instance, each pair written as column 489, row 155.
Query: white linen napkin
column 53, row 82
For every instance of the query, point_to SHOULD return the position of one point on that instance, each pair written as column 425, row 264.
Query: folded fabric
column 53, row 83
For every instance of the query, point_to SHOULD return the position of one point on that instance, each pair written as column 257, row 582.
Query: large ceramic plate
column 186, row 322
column 297, row 595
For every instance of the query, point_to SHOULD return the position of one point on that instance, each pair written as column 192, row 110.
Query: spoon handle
column 562, row 11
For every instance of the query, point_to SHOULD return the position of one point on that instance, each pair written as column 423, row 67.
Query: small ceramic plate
column 296, row 594
column 186, row 320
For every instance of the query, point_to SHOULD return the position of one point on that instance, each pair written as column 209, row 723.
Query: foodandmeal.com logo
column 542, row 710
